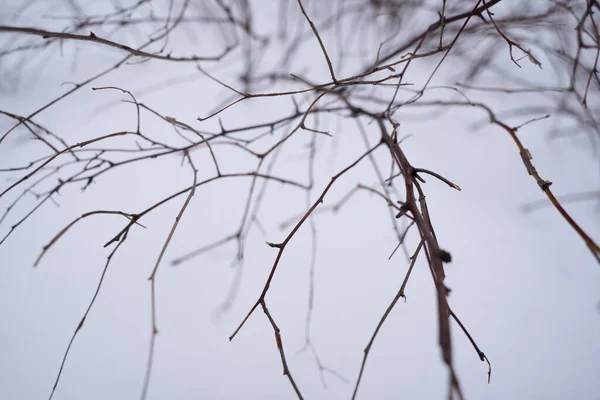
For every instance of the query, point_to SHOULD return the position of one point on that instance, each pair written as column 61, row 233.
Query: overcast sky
column 524, row 284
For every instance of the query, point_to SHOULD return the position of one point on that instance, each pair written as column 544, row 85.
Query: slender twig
column 96, row 39
column 387, row 312
column 152, row 280
column 314, row 29
column 286, row 370
column 87, row 311
column 281, row 246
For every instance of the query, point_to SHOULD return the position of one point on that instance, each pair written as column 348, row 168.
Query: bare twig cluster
column 366, row 55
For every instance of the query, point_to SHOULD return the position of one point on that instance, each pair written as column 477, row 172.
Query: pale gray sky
column 523, row 283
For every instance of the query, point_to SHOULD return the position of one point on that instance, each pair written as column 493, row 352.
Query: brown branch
column 387, row 312
column 526, row 157
column 432, row 248
column 49, row 160
column 152, row 280
column 510, row 42
column 131, row 217
column 314, row 29
column 281, row 246
column 286, row 370
column 480, row 353
column 435, row 174
column 96, row 39
column 87, row 311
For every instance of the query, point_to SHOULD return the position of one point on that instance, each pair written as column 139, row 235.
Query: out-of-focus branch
column 96, row 39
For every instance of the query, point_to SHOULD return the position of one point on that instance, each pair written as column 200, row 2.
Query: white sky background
column 525, row 285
